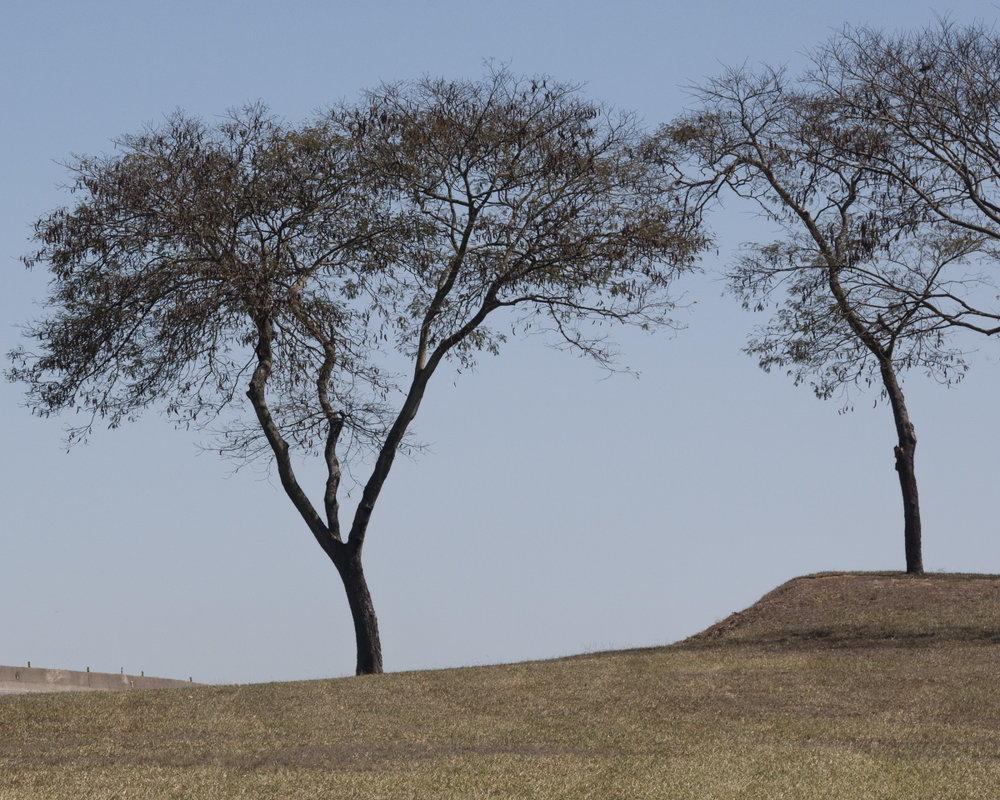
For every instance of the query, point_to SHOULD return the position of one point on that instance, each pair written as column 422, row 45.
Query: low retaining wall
column 23, row 680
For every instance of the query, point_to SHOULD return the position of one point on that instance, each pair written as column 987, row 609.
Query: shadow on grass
column 811, row 638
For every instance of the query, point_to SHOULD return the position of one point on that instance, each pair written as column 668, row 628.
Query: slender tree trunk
column 904, row 451
column 905, row 435
column 363, row 613
column 911, row 507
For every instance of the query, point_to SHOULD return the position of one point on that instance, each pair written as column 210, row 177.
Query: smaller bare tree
column 854, row 280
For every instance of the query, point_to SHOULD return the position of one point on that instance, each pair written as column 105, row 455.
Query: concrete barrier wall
column 22, row 680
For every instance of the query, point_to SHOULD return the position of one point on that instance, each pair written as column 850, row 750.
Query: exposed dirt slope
column 867, row 609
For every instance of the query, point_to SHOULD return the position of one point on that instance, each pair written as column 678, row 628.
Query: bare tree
column 288, row 263
column 854, row 279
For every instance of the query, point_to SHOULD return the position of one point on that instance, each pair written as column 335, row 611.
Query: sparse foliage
column 178, row 244
column 935, row 95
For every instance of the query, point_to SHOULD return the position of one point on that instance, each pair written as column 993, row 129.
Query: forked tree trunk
column 904, row 451
column 363, row 613
column 346, row 557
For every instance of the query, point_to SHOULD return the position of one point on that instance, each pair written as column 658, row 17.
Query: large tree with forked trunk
column 297, row 267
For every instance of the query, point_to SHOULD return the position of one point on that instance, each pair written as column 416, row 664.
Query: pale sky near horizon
column 557, row 510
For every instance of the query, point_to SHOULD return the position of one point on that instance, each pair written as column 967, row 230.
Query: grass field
column 832, row 686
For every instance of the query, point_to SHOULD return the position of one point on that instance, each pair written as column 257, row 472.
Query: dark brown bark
column 911, row 508
column 369, row 646
column 346, row 557
column 904, row 452
column 906, row 437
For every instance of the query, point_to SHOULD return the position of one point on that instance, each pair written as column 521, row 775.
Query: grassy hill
column 832, row 686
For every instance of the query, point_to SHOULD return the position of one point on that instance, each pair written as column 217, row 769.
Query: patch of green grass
column 873, row 707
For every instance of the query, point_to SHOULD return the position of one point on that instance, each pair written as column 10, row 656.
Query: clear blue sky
column 557, row 510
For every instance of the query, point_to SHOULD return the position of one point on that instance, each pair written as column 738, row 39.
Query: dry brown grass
column 851, row 686
column 868, row 609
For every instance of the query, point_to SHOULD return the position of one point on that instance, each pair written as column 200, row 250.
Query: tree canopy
column 934, row 93
column 204, row 264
